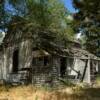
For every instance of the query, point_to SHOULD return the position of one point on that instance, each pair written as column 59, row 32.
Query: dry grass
column 33, row 93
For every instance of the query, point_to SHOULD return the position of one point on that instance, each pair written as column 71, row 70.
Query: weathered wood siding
column 78, row 66
column 56, row 69
column 24, row 58
column 87, row 77
column 25, row 54
column 1, row 65
column 7, row 66
column 42, row 75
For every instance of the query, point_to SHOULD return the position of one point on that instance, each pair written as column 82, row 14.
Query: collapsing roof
column 81, row 53
column 70, row 53
column 74, row 51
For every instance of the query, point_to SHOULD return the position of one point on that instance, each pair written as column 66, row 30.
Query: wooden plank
column 86, row 65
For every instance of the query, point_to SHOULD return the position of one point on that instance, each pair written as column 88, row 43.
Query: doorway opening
column 63, row 66
column 15, row 61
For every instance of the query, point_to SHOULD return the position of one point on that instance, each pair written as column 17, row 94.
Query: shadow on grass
column 84, row 94
column 92, row 92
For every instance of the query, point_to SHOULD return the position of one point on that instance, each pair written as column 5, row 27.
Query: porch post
column 88, row 73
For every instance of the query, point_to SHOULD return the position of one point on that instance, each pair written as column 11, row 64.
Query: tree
column 87, row 20
column 43, row 18
column 43, row 13
column 1, row 12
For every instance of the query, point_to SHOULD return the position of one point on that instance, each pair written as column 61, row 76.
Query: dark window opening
column 15, row 61
column 40, row 59
column 34, row 61
column 35, row 48
column 63, row 66
column 46, row 61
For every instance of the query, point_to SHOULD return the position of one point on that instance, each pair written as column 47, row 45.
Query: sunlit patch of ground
column 33, row 93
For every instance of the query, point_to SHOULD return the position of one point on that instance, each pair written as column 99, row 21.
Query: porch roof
column 40, row 53
column 81, row 53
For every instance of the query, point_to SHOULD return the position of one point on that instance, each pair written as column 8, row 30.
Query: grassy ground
column 33, row 93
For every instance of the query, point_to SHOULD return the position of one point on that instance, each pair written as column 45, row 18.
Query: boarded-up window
column 15, row 61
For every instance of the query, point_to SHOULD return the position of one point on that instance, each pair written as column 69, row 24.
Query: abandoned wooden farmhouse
column 19, row 62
